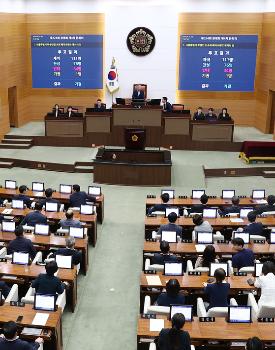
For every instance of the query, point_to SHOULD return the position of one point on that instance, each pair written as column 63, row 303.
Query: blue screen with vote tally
column 217, row 62
column 67, row 61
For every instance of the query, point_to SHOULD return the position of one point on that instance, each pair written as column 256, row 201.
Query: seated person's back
column 172, row 296
column 35, row 217
column 270, row 206
column 70, row 251
column 218, row 292
column 254, row 228
column 78, row 198
column 244, row 257
column 201, row 225
column 22, row 196
column 21, row 244
column 198, row 208
column 69, row 221
column 164, row 256
column 208, row 257
column 171, row 226
column 49, row 199
column 234, row 208
column 162, row 206
column 47, row 283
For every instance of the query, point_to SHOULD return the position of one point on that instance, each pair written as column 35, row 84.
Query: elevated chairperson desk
column 257, row 151
column 64, row 127
column 142, row 168
column 204, row 130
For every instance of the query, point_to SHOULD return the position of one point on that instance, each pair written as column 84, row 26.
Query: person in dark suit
column 218, row 291
column 78, row 198
column 70, row 113
column 171, row 226
column 175, row 338
column 224, row 115
column 166, row 106
column 199, row 115
column 47, row 283
column 138, row 93
column 49, row 198
column 198, row 208
column 160, row 207
column 244, row 256
column 172, row 296
column 21, row 244
column 270, row 206
column 254, row 228
column 22, row 196
column 57, row 111
column 69, row 221
column 35, row 217
column 5, row 289
column 234, row 208
column 70, row 251
column 164, row 256
column 211, row 115
column 11, row 341
column 99, row 106
column 254, row 343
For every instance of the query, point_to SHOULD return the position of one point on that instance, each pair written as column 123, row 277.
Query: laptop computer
column 64, row 261
column 215, row 266
column 41, row 229
column 272, row 237
column 8, row 226
column 244, row 235
column 170, row 192
column 51, row 206
column 258, row 194
column 258, row 269
column 172, row 210
column 20, row 258
column 44, row 302
column 239, row 314
column 169, row 236
column 76, row 232
column 120, row 101
column 38, row 186
column 173, row 269
column 17, row 204
column 196, row 194
column 186, row 310
column 10, row 184
column 86, row 209
column 94, row 190
column 210, row 213
column 205, row 238
column 228, row 194
column 244, row 212
column 65, row 188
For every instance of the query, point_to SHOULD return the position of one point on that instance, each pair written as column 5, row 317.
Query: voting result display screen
column 217, row 62
column 67, row 61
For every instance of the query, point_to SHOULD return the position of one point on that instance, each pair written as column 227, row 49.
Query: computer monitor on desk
column 120, row 101
column 138, row 103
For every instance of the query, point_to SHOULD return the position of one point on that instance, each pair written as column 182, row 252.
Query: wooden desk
column 219, row 330
column 61, row 197
column 203, row 130
column 53, row 325
column 30, row 272
column 64, row 127
column 53, row 241
column 176, row 124
column 90, row 220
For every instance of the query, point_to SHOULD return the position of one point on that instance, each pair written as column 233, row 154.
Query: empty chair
column 154, row 309
column 263, row 310
column 13, row 294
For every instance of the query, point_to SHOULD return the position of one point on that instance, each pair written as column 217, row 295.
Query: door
column 13, row 111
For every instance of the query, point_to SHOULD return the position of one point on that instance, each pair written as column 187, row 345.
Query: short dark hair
column 165, row 197
column 76, row 188
column 235, row 200
column 268, row 266
column 48, row 192
column 19, row 231
column 69, row 214
column 197, row 219
column 51, row 267
column 70, row 107
column 164, row 247
column 178, row 321
column 251, row 216
column 172, row 287
column 38, row 206
column 165, row 98
column 204, row 198
column 254, row 343
column 224, row 108
column 211, row 109
column 172, row 217
column 199, row 108
column 10, row 330
column 219, row 274
column 99, row 99
column 271, row 199
column 238, row 241
column 23, row 188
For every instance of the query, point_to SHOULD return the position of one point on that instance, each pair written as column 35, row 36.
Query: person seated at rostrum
column 210, row 115
column 198, row 115
column 99, row 106
column 172, row 296
column 224, row 114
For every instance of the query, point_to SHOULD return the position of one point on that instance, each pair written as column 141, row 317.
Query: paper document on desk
column 153, row 280
column 7, row 211
column 236, row 220
column 200, row 247
column 40, row 319
column 156, row 325
column 32, row 331
column 261, row 201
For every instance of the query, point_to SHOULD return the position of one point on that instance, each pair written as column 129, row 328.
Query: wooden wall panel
column 240, row 105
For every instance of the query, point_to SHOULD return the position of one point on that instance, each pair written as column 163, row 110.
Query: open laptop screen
column 41, row 229
column 8, row 226
column 258, row 269
column 272, row 237
column 244, row 235
column 86, row 209
column 94, row 190
column 44, row 302
column 186, row 310
column 38, row 186
column 10, row 184
column 210, row 213
column 20, row 258
column 239, row 314
column 205, row 237
column 65, row 188
column 258, row 194
column 17, row 204
column 169, row 236
column 51, row 206
column 172, row 210
column 244, row 212
column 173, row 269
column 76, row 232
column 196, row 194
column 228, row 194
column 170, row 192
column 64, row 261
column 215, row 266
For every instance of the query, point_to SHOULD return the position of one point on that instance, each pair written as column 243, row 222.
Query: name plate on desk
column 150, row 272
column 266, row 319
column 17, row 303
column 207, row 319
column 259, row 241
column 240, row 273
column 187, row 241
column 148, row 316
column 194, row 273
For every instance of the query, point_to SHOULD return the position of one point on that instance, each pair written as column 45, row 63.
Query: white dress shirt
column 267, row 285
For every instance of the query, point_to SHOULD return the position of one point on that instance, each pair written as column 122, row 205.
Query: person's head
column 199, row 109
column 197, row 219
column 69, row 214
column 178, row 321
column 219, row 275
column 70, row 242
column 138, row 87
column 70, row 108
column 98, row 101
column 235, row 200
column 164, row 247
column 19, row 231
column 10, row 330
column 251, row 216
column 204, row 199
column 56, row 106
column 210, row 110
column 254, row 344
column 51, row 268
column 172, row 288
column 23, row 189
column 208, row 256
column 76, row 188
column 224, row 110
column 271, row 199
column 165, row 197
column 268, row 266
column 172, row 217
column 238, row 243
column 164, row 99
column 38, row 206
column 48, row 192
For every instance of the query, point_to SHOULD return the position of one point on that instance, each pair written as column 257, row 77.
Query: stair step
column 16, row 141
column 15, row 145
column 6, row 165
column 269, row 173
column 17, row 137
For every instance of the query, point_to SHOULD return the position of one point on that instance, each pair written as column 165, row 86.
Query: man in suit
column 35, row 217
column 49, row 198
column 69, row 221
column 160, row 207
column 21, row 244
column 99, row 106
column 244, row 256
column 234, row 208
column 56, row 111
column 78, row 198
column 138, row 93
column 70, row 251
column 199, row 115
column 171, row 226
column 270, row 206
column 22, row 196
column 164, row 256
column 254, row 228
column 70, row 113
column 11, row 341
column 211, row 115
column 198, row 208
column 166, row 106
column 47, row 283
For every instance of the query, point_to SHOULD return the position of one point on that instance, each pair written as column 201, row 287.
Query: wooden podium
column 135, row 138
